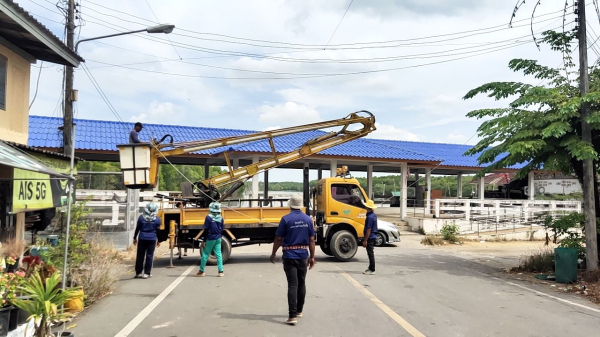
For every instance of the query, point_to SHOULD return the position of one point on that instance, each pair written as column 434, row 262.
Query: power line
column 338, row 25
column 317, row 46
column 158, row 21
column 320, row 75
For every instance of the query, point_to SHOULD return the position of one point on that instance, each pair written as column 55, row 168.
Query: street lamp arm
column 105, row 36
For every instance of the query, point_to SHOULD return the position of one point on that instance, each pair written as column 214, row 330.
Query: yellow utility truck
column 337, row 203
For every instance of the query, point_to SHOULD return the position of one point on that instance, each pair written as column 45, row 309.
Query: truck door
column 347, row 205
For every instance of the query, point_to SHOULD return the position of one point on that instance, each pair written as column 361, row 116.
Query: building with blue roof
column 97, row 141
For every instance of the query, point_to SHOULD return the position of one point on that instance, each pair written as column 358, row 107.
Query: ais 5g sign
column 33, row 191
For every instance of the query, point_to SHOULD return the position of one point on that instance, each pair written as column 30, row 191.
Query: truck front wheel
column 326, row 250
column 343, row 245
column 225, row 252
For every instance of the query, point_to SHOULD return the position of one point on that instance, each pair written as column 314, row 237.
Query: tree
column 541, row 127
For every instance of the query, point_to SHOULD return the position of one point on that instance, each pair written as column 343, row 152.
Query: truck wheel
column 343, row 245
column 381, row 239
column 225, row 252
column 326, row 250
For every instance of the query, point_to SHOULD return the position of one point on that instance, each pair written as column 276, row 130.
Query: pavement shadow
column 276, row 319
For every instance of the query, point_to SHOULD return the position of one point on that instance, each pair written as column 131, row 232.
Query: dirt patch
column 587, row 290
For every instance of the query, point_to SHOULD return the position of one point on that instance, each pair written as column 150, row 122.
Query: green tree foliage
column 541, row 125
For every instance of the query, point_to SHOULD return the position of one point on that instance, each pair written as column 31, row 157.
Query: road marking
column 554, row 297
column 393, row 315
column 128, row 329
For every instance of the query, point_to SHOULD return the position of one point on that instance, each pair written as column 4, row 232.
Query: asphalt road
column 417, row 291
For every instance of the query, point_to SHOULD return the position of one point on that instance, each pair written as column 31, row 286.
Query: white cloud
column 390, row 132
column 288, row 114
column 456, row 137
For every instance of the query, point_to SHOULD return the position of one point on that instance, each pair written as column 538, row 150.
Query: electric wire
column 338, row 25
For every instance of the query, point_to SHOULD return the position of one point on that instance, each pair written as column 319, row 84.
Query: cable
column 299, row 44
column 317, row 76
column 37, row 85
column 157, row 20
column 338, row 25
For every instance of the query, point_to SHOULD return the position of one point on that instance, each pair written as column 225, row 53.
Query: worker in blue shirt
column 147, row 225
column 296, row 234
column 134, row 134
column 370, row 236
column 211, row 238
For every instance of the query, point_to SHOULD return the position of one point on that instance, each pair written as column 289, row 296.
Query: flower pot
column 11, row 268
column 37, row 251
column 64, row 334
column 14, row 318
column 22, row 315
column 53, row 240
column 75, row 305
column 4, row 320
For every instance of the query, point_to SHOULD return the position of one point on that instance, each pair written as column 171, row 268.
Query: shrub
column 432, row 240
column 449, row 232
column 540, row 260
column 421, row 231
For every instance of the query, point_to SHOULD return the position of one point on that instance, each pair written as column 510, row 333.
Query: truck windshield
column 348, row 194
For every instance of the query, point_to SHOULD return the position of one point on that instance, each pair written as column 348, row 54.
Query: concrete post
column 206, row 171
column 531, row 185
column 254, row 183
column 319, row 173
column 333, row 167
column 482, row 188
column 459, row 192
column 235, row 164
column 306, row 187
column 266, row 185
column 403, row 190
column 370, row 181
column 428, row 193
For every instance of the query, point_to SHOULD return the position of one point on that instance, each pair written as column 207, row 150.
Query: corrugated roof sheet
column 105, row 135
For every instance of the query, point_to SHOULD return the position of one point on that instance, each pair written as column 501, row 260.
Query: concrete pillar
column 306, row 186
column 459, row 186
column 254, row 183
column 403, row 190
column 531, row 185
column 206, row 170
column 266, row 185
column 482, row 188
column 370, row 181
column 319, row 173
column 235, row 164
column 428, row 193
column 333, row 167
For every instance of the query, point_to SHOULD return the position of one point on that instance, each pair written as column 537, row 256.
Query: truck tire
column 225, row 252
column 326, row 250
column 343, row 245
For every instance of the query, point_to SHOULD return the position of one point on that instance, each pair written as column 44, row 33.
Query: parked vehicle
column 386, row 233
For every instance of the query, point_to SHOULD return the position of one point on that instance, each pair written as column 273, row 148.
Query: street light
column 162, row 28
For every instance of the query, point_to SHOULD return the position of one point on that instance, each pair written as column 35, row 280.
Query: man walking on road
column 370, row 236
column 296, row 234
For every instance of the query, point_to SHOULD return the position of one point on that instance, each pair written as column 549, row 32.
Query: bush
column 421, row 231
column 449, row 232
column 432, row 240
column 540, row 260
column 99, row 272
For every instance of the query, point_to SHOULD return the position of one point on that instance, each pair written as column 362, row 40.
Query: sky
column 260, row 65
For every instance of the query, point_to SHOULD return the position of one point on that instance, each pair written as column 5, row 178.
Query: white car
column 386, row 233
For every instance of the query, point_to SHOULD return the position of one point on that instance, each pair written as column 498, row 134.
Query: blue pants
column 212, row 246
column 145, row 250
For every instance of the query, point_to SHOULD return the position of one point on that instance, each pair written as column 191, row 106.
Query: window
column 348, row 194
column 3, row 71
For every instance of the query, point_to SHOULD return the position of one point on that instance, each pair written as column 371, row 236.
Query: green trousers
column 212, row 246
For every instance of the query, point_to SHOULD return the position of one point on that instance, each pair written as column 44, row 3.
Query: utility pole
column 589, row 203
column 68, row 104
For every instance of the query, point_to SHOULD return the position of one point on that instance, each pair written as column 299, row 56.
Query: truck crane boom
column 140, row 162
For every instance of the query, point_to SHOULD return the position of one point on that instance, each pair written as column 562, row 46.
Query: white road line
column 555, row 298
column 128, row 329
column 393, row 315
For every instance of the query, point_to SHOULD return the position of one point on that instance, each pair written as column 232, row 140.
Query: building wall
column 15, row 119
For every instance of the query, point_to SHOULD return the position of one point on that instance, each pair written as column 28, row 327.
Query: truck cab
column 340, row 216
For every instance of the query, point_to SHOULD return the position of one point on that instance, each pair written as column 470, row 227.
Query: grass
column 540, row 260
column 432, row 240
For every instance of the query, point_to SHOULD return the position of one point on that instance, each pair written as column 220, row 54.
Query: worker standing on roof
column 213, row 229
column 296, row 234
column 133, row 135
column 370, row 236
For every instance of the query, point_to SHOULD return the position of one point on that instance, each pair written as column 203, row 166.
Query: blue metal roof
column 105, row 135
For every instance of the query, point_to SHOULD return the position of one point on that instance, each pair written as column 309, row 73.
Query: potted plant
column 9, row 283
column 45, row 302
column 11, row 252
